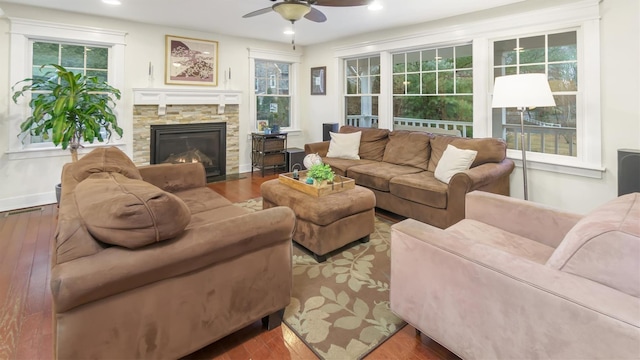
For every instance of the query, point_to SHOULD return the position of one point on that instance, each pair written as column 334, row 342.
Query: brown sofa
column 150, row 263
column 398, row 166
column 518, row 280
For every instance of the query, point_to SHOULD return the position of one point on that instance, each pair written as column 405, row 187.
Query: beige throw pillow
column 344, row 146
column 453, row 161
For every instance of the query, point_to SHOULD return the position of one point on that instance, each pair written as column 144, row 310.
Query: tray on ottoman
column 340, row 183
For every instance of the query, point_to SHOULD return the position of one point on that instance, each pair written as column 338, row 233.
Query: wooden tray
column 340, row 183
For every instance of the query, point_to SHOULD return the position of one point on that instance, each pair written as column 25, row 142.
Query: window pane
column 363, row 67
column 72, row 56
column 375, row 65
column 352, row 85
column 413, row 61
column 502, row 71
column 352, row 104
column 429, row 60
column 504, row 52
column 274, row 110
column 445, row 82
column 464, row 57
column 100, row 74
column 45, row 53
column 352, row 67
column 532, row 50
column 97, row 58
column 398, row 84
column 413, row 83
column 398, row 63
column 563, row 77
column 429, row 83
column 413, row 107
column 532, row 69
column 562, row 47
column 464, row 81
column 375, row 86
column 445, row 58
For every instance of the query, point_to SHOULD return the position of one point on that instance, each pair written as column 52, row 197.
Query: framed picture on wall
column 319, row 80
column 190, row 61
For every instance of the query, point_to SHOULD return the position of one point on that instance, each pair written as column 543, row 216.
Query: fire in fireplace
column 203, row 142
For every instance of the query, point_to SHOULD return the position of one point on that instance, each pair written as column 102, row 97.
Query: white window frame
column 294, row 60
column 23, row 33
column 584, row 16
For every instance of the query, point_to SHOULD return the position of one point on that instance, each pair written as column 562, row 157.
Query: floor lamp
column 522, row 91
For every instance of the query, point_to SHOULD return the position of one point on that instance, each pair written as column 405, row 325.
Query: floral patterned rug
column 340, row 308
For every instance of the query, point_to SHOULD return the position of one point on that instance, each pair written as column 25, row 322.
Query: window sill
column 577, row 169
column 45, row 152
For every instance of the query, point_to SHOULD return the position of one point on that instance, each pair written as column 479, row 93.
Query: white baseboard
column 27, row 201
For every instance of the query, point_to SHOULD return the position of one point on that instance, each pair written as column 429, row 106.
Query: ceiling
column 225, row 16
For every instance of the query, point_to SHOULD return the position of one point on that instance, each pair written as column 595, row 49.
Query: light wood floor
column 25, row 299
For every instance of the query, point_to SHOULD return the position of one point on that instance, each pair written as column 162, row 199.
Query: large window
column 90, row 51
column 82, row 59
column 433, row 88
column 550, row 130
column 273, row 99
column 362, row 82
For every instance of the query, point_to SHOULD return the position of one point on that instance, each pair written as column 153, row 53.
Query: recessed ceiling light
column 375, row 6
column 112, row 2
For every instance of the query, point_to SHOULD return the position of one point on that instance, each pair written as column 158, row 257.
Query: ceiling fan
column 294, row 10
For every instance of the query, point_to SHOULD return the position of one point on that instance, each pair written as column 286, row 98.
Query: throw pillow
column 453, row 161
column 128, row 212
column 107, row 159
column 344, row 146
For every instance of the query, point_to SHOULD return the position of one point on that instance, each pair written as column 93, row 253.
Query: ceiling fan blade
column 342, row 2
column 257, row 12
column 316, row 15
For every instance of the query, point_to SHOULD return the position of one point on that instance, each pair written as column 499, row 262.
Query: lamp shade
column 292, row 11
column 522, row 91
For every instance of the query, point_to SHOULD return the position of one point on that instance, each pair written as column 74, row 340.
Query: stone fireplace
column 154, row 108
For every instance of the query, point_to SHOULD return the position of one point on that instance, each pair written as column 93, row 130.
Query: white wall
column 620, row 93
column 31, row 182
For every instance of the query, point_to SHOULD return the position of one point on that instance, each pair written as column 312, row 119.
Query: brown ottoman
column 324, row 223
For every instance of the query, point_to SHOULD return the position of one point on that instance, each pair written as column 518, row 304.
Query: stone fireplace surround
column 160, row 106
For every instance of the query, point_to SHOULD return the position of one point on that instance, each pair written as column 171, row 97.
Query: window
column 91, row 51
column 550, row 130
column 433, row 88
column 273, row 99
column 362, row 82
column 86, row 60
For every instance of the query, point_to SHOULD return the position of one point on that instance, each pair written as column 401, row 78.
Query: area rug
column 340, row 308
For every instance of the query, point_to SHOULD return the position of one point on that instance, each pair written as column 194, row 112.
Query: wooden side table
column 268, row 151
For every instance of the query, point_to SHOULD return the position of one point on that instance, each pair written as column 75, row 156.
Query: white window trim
column 583, row 15
column 294, row 75
column 25, row 30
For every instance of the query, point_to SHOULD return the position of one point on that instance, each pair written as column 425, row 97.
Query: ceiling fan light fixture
column 292, row 11
column 375, row 6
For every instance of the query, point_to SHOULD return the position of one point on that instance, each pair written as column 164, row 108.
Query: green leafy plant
column 320, row 172
column 69, row 108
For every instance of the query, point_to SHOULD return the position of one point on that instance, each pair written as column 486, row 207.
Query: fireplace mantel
column 163, row 97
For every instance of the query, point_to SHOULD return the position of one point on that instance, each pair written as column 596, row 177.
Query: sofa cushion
column 453, row 161
column 109, row 159
column 408, row 148
column 489, row 149
column 129, row 212
column 377, row 175
column 372, row 142
column 344, row 146
column 422, row 188
column 202, row 199
column 340, row 166
column 604, row 246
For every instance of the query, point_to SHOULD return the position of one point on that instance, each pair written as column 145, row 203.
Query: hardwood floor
column 26, row 307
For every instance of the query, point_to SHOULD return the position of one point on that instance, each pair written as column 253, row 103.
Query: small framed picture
column 319, row 80
column 191, row 61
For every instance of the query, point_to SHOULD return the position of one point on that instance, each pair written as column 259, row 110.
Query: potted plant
column 69, row 108
column 320, row 173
